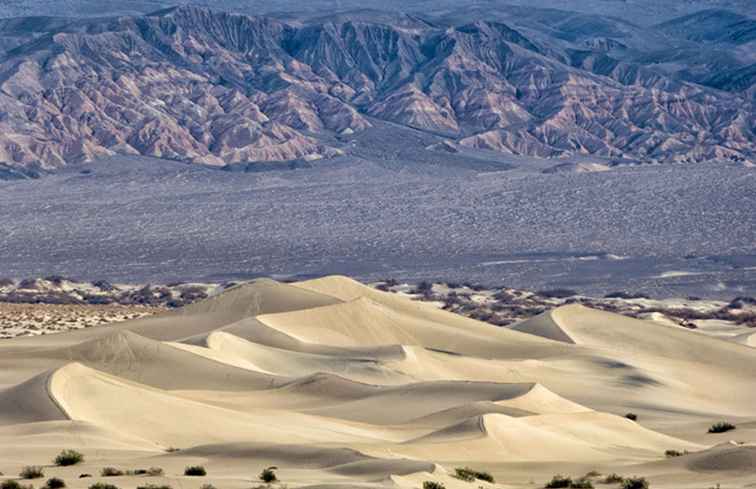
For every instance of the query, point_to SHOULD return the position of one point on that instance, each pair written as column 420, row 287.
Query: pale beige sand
column 341, row 385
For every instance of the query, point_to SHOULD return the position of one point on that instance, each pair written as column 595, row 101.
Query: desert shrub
column 632, row 416
column 103, row 485
column 32, row 472
column 172, row 449
column 581, row 483
column 55, row 483
column 559, row 481
column 469, row 475
column 592, row 473
column 84, row 476
column 635, row 483
column 154, row 486
column 196, row 470
column 136, row 471
column 207, row 486
column 721, row 427
column 154, row 472
column 613, row 479
column 12, row 484
column 110, row 472
column 674, row 453
column 433, row 485
column 68, row 457
column 268, row 475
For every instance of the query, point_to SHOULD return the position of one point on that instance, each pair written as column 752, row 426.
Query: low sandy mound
column 576, row 437
column 698, row 371
column 262, row 296
column 29, row 402
column 120, row 405
column 747, row 339
column 544, row 326
column 55, row 434
column 456, row 414
column 367, row 322
column 134, row 357
column 400, row 404
column 298, row 364
column 725, row 457
column 540, row 400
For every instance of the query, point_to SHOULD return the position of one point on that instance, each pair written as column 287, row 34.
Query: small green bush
column 613, row 479
column 32, row 472
column 632, row 416
column 103, row 485
column 55, row 483
column 469, row 475
column 195, row 470
column 721, row 427
column 110, row 472
column 559, row 481
column 268, row 475
column 68, row 457
column 154, row 472
column 635, row 483
column 433, row 485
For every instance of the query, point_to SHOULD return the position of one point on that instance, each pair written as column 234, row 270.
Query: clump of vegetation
column 32, row 472
column 635, row 483
column 469, row 475
column 675, row 453
column 172, row 449
column 103, row 485
column 55, row 483
column 614, row 479
column 154, row 472
column 68, row 457
column 559, row 481
column 433, row 485
column 591, row 474
column 195, row 470
column 582, row 483
column 111, row 472
column 632, row 416
column 12, row 484
column 84, row 476
column 154, row 486
column 207, row 486
column 721, row 427
column 268, row 475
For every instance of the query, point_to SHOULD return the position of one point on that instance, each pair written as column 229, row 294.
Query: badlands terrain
column 341, row 385
column 234, row 85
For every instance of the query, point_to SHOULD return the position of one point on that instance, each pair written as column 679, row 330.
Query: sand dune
column 341, row 385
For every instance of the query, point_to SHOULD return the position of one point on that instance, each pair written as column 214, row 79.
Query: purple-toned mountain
column 217, row 88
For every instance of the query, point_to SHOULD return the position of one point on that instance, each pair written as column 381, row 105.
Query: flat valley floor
column 671, row 230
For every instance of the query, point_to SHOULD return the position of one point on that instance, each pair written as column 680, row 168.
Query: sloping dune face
column 341, row 385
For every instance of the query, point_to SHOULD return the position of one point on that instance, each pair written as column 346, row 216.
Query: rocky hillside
column 216, row 88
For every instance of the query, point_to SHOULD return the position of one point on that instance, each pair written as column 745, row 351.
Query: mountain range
column 213, row 87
